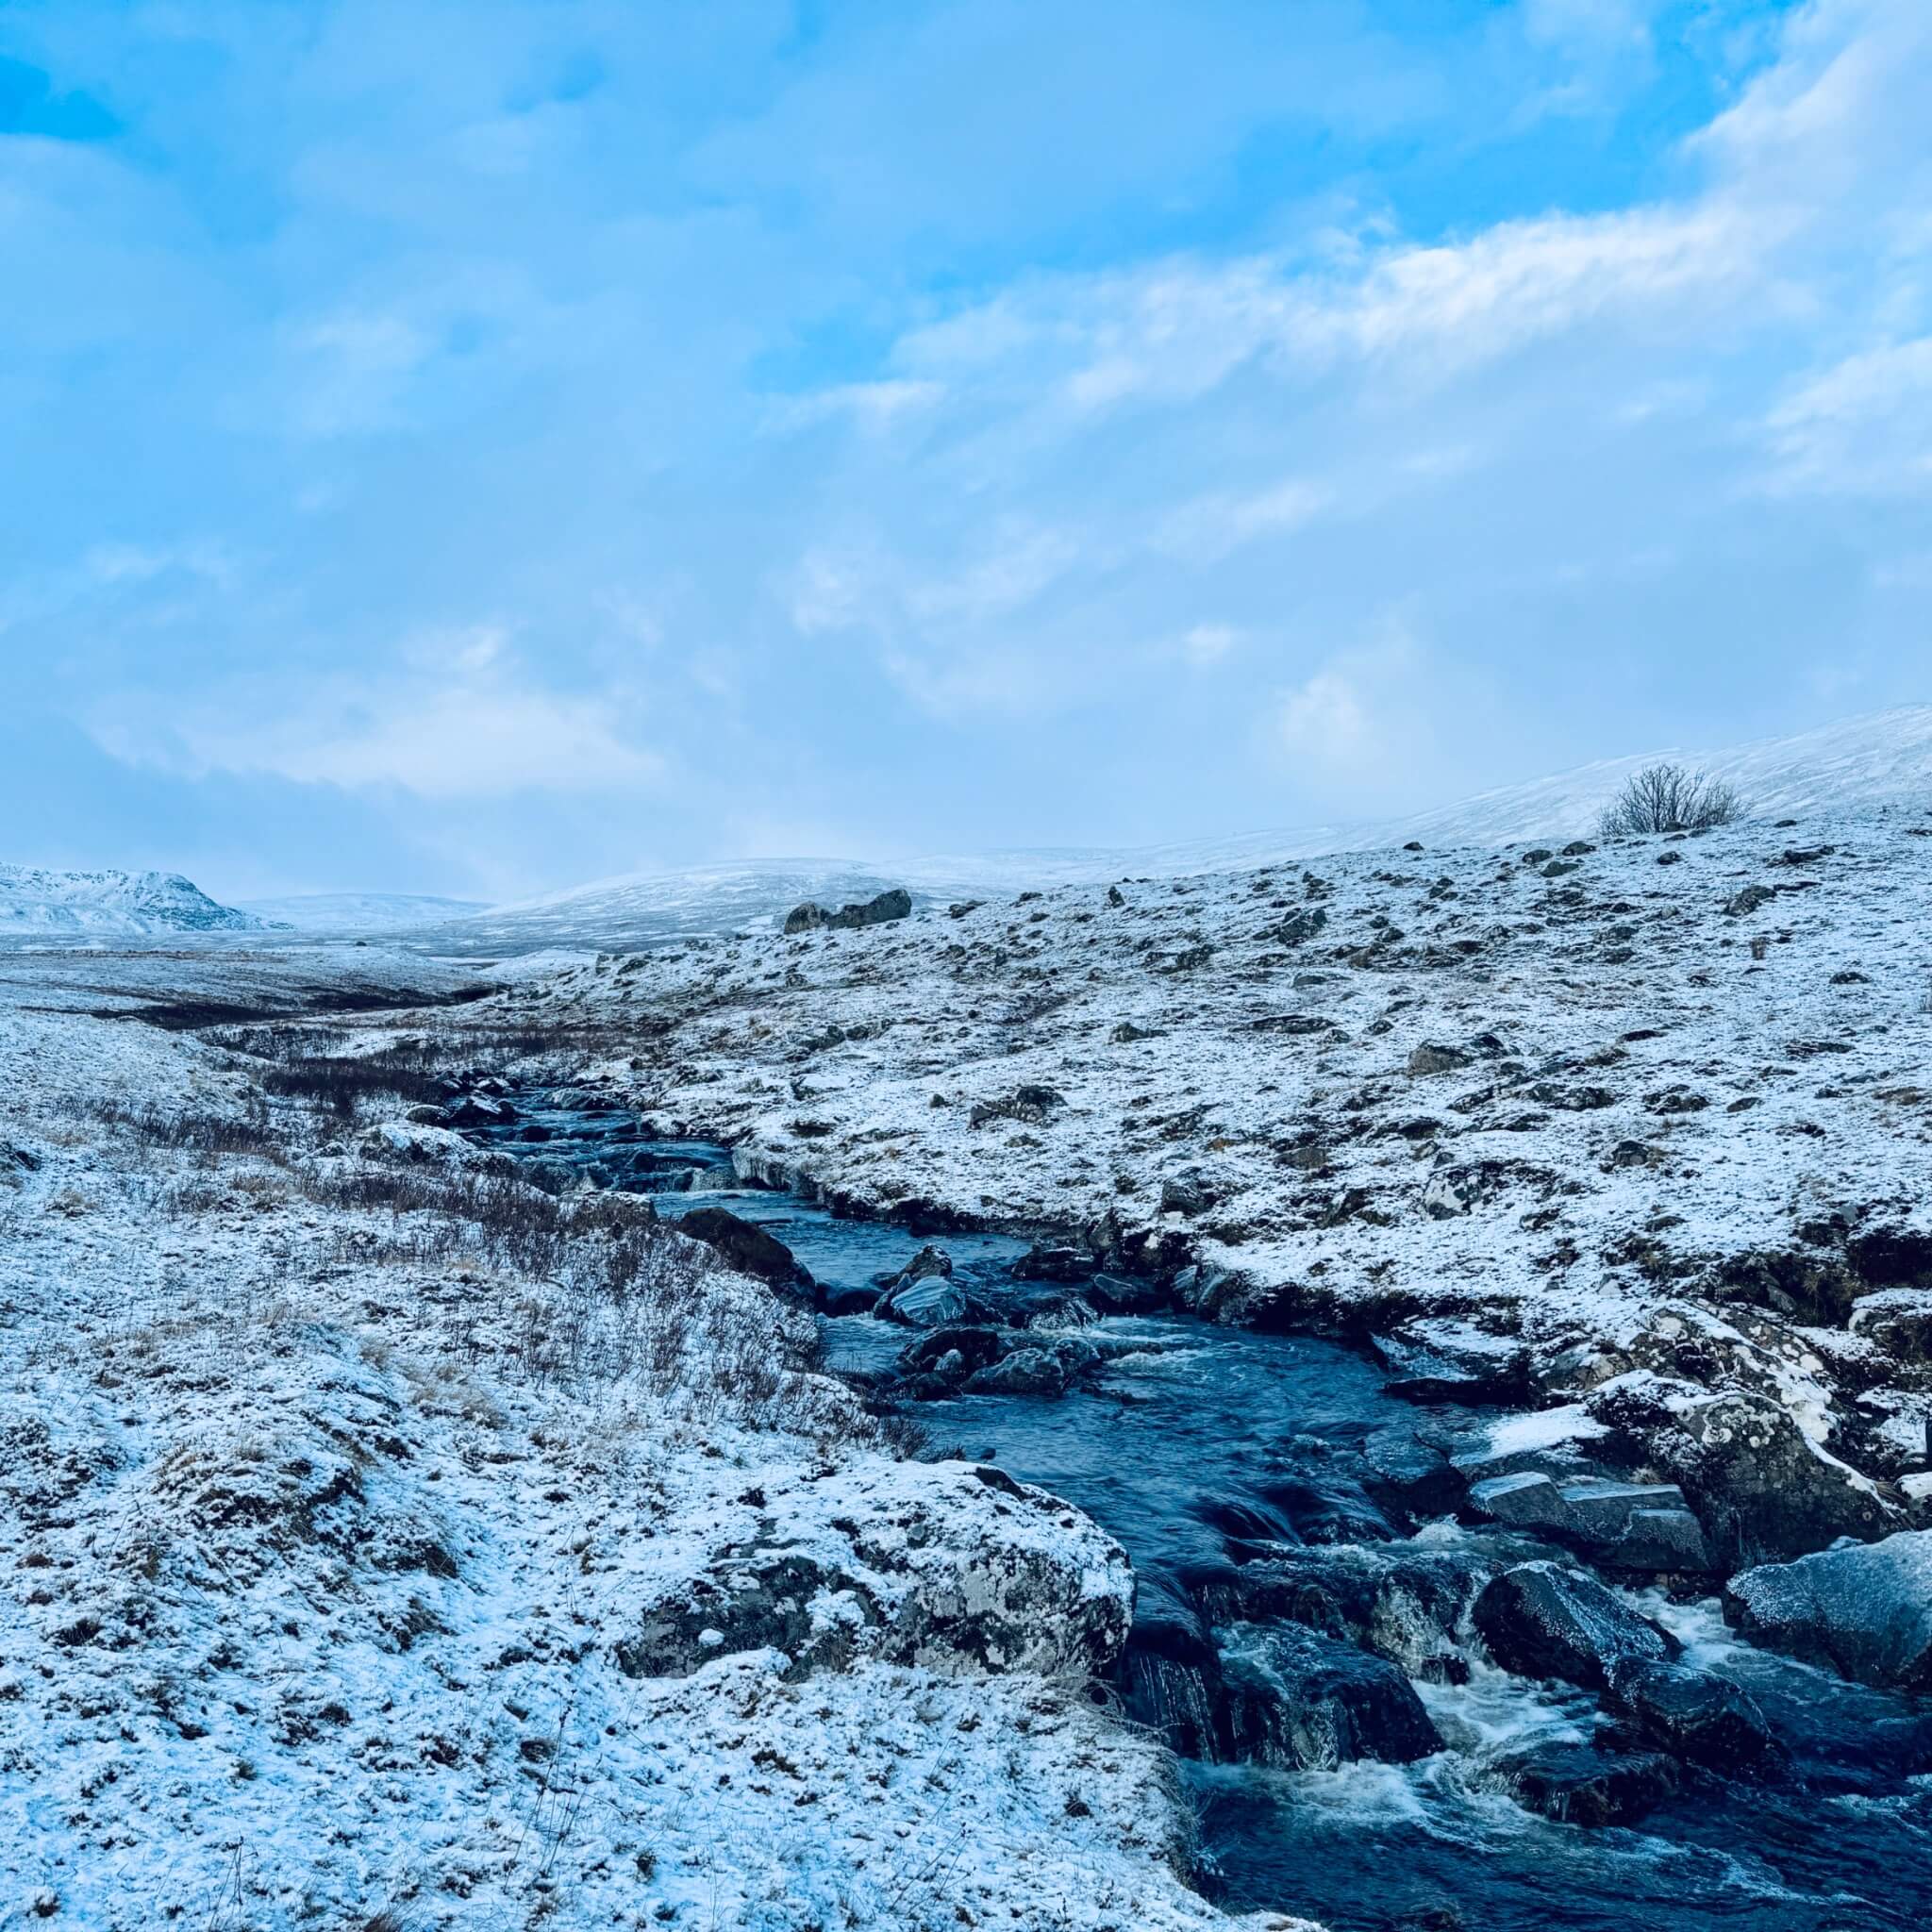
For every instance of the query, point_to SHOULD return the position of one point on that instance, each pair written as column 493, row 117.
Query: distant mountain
column 354, row 912
column 66, row 907
column 1880, row 759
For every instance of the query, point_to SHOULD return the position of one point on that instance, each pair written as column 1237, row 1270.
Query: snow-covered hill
column 45, row 906
column 1884, row 758
column 354, row 912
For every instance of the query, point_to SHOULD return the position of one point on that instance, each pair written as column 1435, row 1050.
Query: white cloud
column 875, row 407
column 458, row 722
column 1864, row 427
column 1360, row 710
column 1208, row 643
column 1211, row 528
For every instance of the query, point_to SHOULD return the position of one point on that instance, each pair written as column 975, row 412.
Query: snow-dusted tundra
column 383, row 1534
column 384, row 1544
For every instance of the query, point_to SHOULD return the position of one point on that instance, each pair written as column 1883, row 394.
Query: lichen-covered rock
column 950, row 1567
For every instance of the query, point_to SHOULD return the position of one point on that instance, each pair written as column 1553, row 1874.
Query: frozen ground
column 385, row 1544
column 1642, row 1124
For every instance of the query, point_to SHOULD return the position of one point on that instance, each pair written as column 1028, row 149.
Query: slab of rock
column 1638, row 1526
column 1864, row 1612
column 811, row 917
column 751, row 1250
column 1545, row 1620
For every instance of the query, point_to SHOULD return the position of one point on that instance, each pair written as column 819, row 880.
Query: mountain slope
column 1884, row 758
column 37, row 903
column 354, row 912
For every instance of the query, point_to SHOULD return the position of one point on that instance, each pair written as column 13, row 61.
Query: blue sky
column 479, row 448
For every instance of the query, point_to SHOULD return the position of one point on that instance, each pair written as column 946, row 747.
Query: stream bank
column 1310, row 1634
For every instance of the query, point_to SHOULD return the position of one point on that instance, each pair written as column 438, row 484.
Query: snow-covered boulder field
column 384, row 1541
column 1640, row 1129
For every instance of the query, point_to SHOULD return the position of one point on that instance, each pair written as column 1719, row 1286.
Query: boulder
column 1864, row 1612
column 1050, row 1261
column 1584, row 1783
column 1297, row 1698
column 1704, row 1719
column 751, row 1250
column 1633, row 1527
column 1025, row 1372
column 938, row 1566
column 933, row 1300
column 1546, row 1620
column 810, row 917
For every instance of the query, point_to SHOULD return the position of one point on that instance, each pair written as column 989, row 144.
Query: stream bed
column 1217, row 1456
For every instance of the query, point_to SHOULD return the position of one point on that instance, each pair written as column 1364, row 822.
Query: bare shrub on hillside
column 1669, row 798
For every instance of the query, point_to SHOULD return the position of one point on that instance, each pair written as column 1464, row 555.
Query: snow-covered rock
column 1865, row 1612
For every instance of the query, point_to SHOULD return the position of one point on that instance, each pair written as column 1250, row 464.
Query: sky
column 475, row 448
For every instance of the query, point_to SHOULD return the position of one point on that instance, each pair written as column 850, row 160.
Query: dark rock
column 1031, row 1105
column 894, row 904
column 1864, row 1612
column 933, row 1300
column 1582, row 1784
column 1185, row 1194
column 1125, row 1295
column 1037, row 1371
column 751, row 1250
column 1046, row 1262
column 1704, row 1719
column 1756, row 1484
column 1631, row 1527
column 1543, row 1620
column 970, row 1348
column 1299, row 1699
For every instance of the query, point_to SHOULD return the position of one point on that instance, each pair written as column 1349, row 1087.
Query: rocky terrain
column 1637, row 1134
column 388, row 1543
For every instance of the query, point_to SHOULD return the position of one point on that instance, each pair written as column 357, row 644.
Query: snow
column 1658, row 1106
column 326, row 1532
column 43, row 906
column 360, row 912
column 1882, row 759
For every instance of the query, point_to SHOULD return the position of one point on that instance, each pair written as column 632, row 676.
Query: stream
column 1215, row 1457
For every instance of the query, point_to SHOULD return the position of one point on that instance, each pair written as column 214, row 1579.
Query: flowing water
column 1205, row 1446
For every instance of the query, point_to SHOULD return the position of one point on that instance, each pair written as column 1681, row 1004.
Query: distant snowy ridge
column 1881, row 760
column 38, row 903
column 354, row 912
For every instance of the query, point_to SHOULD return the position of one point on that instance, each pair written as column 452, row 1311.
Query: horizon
column 467, row 456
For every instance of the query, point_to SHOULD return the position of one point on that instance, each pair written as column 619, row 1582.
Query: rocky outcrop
column 1866, row 1613
column 954, row 1568
column 1299, row 1699
column 810, row 917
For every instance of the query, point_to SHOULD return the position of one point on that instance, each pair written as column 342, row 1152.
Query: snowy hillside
column 47, row 906
column 648, row 908
column 1879, row 760
column 353, row 913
